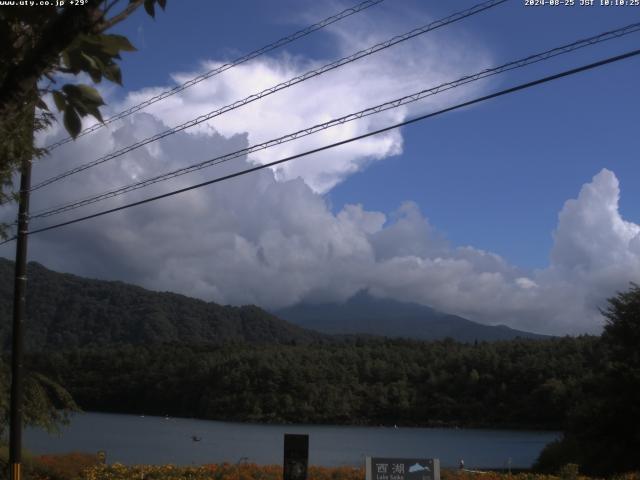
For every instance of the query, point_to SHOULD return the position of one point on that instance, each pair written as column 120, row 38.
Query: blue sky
column 523, row 210
column 516, row 159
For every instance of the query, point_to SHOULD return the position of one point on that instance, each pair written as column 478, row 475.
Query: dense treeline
column 520, row 383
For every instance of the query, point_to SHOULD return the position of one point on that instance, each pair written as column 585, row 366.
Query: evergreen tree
column 603, row 431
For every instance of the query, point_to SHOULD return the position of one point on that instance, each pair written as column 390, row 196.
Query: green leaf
column 92, row 63
column 59, row 100
column 112, row 72
column 42, row 105
column 93, row 110
column 72, row 121
column 70, row 90
column 150, row 7
column 74, row 61
column 100, row 69
column 95, row 75
column 80, row 108
column 112, row 44
column 81, row 94
column 90, row 94
column 65, row 59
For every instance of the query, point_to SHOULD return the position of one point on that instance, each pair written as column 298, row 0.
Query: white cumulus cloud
column 420, row 63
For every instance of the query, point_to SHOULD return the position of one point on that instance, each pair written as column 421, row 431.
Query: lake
column 132, row 439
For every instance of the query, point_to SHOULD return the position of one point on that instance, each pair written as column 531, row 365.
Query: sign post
column 296, row 456
column 378, row 468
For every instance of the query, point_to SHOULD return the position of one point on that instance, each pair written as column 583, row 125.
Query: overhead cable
column 522, row 86
column 407, row 99
column 222, row 68
column 281, row 86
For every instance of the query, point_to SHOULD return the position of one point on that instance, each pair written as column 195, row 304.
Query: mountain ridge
column 366, row 314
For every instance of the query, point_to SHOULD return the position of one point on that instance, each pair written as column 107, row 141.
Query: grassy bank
column 274, row 472
column 78, row 466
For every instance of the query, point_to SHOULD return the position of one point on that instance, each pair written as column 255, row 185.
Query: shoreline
column 435, row 425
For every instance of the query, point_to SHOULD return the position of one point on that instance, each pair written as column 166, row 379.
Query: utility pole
column 19, row 310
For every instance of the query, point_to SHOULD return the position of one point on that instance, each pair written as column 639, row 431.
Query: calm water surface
column 131, row 439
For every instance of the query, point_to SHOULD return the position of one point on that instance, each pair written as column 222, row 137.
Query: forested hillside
column 67, row 311
column 520, row 383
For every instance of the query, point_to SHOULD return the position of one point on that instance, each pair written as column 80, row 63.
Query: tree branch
column 107, row 24
column 109, row 7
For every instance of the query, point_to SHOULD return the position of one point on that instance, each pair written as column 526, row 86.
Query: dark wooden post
column 296, row 456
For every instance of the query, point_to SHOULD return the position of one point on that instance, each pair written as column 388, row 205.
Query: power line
column 293, row 81
column 211, row 73
column 522, row 86
column 407, row 99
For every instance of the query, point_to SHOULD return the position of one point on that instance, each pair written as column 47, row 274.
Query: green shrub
column 556, row 455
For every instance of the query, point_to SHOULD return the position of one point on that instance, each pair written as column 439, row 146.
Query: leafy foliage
column 95, row 54
column 40, row 44
column 46, row 403
column 603, row 429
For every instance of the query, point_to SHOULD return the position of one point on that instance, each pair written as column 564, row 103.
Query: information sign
column 378, row 468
